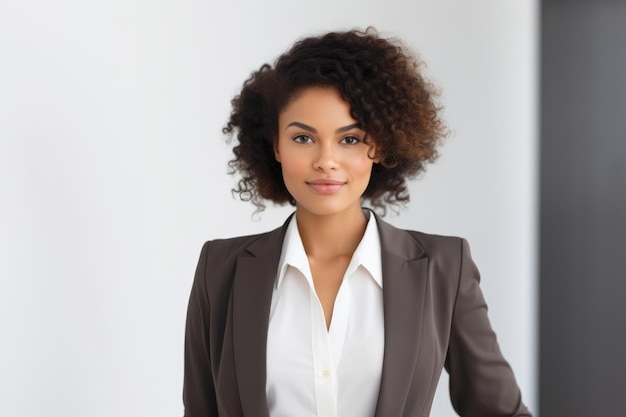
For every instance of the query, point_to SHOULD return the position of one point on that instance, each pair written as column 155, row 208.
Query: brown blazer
column 434, row 315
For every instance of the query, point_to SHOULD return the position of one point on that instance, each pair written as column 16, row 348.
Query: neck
column 331, row 235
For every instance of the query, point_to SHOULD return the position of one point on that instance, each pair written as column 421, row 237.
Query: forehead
column 316, row 104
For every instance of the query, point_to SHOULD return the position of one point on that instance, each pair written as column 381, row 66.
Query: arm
column 481, row 381
column 198, row 389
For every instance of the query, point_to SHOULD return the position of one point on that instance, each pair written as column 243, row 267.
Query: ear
column 373, row 154
column 276, row 153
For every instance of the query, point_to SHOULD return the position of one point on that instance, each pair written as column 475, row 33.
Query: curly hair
column 388, row 96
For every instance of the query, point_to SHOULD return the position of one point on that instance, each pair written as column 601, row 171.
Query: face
column 325, row 161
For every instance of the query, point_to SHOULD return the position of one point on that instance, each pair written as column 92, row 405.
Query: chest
column 320, row 368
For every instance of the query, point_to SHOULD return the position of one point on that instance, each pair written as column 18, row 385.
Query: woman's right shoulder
column 223, row 248
column 219, row 258
column 227, row 248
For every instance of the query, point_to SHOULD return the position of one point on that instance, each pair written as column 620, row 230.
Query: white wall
column 112, row 174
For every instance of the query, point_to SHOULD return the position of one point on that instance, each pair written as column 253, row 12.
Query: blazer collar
column 404, row 266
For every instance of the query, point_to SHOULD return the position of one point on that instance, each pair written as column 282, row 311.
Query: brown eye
column 350, row 140
column 302, row 139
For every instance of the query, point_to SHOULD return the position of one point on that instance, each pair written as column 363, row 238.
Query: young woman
column 337, row 313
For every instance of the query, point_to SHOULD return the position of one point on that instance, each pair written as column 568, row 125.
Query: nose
column 326, row 158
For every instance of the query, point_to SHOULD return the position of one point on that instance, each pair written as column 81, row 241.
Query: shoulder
column 446, row 256
column 225, row 247
column 223, row 251
column 427, row 244
column 219, row 259
column 435, row 244
column 445, row 253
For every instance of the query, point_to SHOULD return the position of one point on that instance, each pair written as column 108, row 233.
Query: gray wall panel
column 583, row 209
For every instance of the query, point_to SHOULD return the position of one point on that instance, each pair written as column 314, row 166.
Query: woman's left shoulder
column 433, row 245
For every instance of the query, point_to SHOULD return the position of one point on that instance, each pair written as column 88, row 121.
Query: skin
column 326, row 167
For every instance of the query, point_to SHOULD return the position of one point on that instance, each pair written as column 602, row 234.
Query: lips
column 326, row 186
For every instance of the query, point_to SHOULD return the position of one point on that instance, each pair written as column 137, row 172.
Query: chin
column 328, row 209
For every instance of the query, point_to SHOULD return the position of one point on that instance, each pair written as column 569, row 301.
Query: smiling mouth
column 325, row 186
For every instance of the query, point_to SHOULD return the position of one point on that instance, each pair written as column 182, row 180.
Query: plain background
column 113, row 173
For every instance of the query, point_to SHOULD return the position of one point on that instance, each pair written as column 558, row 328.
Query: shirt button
column 325, row 372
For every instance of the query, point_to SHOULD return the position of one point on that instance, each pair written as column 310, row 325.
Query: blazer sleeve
column 198, row 388
column 481, row 381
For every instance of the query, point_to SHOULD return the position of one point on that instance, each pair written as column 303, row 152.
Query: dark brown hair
column 388, row 96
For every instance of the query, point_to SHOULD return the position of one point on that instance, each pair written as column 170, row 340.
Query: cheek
column 291, row 168
column 363, row 166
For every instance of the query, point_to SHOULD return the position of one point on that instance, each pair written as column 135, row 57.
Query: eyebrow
column 314, row 130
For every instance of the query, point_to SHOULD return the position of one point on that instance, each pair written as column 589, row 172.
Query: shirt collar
column 367, row 253
column 292, row 253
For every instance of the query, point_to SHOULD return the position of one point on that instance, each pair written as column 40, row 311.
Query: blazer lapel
column 404, row 265
column 252, row 294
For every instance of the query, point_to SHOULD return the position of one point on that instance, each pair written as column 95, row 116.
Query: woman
column 338, row 313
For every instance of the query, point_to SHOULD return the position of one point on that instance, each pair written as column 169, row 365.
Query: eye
column 350, row 140
column 302, row 139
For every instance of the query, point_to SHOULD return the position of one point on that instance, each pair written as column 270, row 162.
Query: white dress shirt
column 315, row 372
